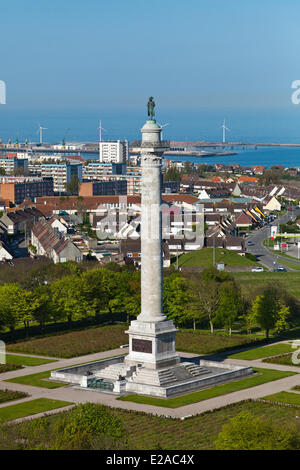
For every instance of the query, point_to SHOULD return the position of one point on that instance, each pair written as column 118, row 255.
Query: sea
column 251, row 125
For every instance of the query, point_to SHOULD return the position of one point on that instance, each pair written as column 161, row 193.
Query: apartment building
column 17, row 189
column 61, row 174
column 114, row 152
column 11, row 164
column 103, row 188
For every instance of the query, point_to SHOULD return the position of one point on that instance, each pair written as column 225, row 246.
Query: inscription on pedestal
column 142, row 345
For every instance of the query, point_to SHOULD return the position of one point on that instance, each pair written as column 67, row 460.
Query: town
column 149, row 231
column 91, row 208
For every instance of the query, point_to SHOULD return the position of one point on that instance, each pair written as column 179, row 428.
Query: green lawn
column 8, row 367
column 265, row 351
column 204, row 257
column 289, row 280
column 263, row 376
column 8, row 395
column 37, row 380
column 285, row 359
column 285, row 397
column 74, row 343
column 279, row 253
column 288, row 264
column 203, row 342
column 145, row 431
column 29, row 408
column 27, row 360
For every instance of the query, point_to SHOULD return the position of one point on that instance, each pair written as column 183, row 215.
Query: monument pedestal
column 152, row 344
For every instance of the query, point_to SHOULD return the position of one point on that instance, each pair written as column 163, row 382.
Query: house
column 247, row 179
column 270, row 203
column 4, row 253
column 16, row 221
column 243, row 220
column 131, row 250
column 55, row 246
column 58, row 225
column 236, row 244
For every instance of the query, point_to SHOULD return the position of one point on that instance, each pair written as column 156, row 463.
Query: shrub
column 245, row 432
column 88, row 423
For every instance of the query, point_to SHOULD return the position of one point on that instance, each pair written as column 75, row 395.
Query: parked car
column 257, row 269
column 250, row 242
column 280, row 270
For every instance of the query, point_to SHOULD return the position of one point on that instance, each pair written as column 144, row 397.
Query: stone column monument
column 152, row 335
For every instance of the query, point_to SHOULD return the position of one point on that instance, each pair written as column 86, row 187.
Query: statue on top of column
column 151, row 106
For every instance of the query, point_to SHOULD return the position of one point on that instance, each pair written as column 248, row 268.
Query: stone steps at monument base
column 114, row 371
column 196, row 370
column 153, row 376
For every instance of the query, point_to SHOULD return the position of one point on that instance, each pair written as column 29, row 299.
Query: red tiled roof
column 248, row 179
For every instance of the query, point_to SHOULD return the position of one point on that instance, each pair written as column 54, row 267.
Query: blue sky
column 72, row 54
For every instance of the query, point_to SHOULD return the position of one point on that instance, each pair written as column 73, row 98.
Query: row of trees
column 73, row 297
column 209, row 298
column 215, row 297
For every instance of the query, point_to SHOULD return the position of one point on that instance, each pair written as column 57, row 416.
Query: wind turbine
column 162, row 126
column 100, row 136
column 224, row 131
column 40, row 130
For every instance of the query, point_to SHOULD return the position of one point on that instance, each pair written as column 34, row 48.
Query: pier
column 193, row 148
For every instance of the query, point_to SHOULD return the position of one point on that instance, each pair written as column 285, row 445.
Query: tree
column 9, row 314
column 246, row 432
column 264, row 309
column 128, row 295
column 269, row 312
column 26, row 304
column 68, row 298
column 230, row 304
column 283, row 314
column 176, row 298
column 44, row 311
column 72, row 186
column 172, row 174
column 187, row 168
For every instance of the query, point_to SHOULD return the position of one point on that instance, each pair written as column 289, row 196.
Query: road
column 264, row 256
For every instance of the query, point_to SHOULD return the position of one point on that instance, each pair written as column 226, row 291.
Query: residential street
column 264, row 256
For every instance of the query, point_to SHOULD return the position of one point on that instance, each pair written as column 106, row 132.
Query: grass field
column 288, row 264
column 285, row 397
column 204, row 257
column 265, row 351
column 285, row 359
column 103, row 338
column 198, row 342
column 148, row 432
column 8, row 367
column 263, row 376
column 29, row 408
column 26, row 360
column 8, row 395
column 37, row 380
column 75, row 343
column 289, row 280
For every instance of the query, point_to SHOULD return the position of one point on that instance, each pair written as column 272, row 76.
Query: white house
column 58, row 225
column 271, row 204
column 4, row 254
